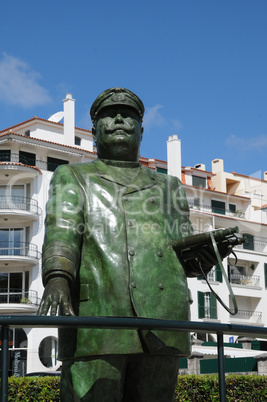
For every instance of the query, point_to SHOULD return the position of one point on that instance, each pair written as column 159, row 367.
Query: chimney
column 69, row 120
column 174, row 156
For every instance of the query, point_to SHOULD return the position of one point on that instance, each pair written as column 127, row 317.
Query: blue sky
column 200, row 67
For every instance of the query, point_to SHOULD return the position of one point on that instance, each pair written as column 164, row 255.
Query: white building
column 30, row 152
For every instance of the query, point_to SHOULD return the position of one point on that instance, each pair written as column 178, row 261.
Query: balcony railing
column 245, row 280
column 124, row 323
column 19, row 296
column 209, row 208
column 254, row 317
column 19, row 203
column 13, row 248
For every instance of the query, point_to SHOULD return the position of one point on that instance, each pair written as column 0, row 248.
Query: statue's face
column 118, row 133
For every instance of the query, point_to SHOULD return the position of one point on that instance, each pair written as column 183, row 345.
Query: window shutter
column 213, row 306
column 218, row 273
column 218, row 207
column 201, row 305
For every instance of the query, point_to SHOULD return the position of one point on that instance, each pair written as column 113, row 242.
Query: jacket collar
column 144, row 179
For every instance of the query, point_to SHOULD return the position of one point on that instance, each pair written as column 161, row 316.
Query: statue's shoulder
column 83, row 167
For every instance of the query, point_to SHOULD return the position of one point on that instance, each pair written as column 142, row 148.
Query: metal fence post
column 221, row 368
column 4, row 363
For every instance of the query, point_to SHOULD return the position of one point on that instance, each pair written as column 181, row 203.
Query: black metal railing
column 13, row 248
column 20, row 296
column 255, row 317
column 245, row 280
column 124, row 323
column 19, row 203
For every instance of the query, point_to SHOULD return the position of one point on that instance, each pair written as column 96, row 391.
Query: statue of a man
column 107, row 252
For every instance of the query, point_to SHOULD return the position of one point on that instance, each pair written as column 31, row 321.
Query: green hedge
column 190, row 388
column 245, row 388
column 34, row 389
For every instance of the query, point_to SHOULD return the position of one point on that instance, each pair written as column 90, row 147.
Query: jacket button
column 161, row 286
column 160, row 253
column 132, row 252
column 133, row 285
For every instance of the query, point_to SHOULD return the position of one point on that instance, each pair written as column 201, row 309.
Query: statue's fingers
column 44, row 307
column 54, row 306
column 67, row 309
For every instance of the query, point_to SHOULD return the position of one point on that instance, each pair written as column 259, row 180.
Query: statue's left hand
column 207, row 258
column 56, row 294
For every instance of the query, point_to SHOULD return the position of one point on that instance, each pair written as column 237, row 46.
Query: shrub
column 245, row 388
column 34, row 389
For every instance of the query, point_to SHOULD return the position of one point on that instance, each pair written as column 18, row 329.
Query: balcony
column 16, row 301
column 18, row 209
column 210, row 209
column 247, row 317
column 245, row 280
column 18, row 253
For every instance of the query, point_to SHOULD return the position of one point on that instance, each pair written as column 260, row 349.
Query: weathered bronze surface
column 108, row 251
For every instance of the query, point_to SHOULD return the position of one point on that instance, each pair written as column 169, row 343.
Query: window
column 232, row 208
column 12, row 196
column 207, row 305
column 5, row 155
column 199, row 181
column 161, row 170
column 196, row 202
column 218, row 207
column 27, row 158
column 53, row 163
column 27, row 133
column 48, row 351
column 265, row 274
column 14, row 286
column 11, row 242
column 249, row 241
column 77, row 140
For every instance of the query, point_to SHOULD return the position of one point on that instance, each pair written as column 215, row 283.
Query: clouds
column 154, row 118
column 241, row 144
column 19, row 84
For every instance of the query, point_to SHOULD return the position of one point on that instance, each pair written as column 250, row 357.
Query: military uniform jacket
column 113, row 243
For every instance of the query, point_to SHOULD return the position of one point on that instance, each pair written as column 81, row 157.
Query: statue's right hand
column 56, row 294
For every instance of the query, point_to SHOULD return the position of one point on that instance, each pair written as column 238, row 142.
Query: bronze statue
column 108, row 251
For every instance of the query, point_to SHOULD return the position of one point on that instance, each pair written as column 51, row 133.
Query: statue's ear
column 142, row 130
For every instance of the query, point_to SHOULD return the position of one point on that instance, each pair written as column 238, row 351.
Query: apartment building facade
column 30, row 152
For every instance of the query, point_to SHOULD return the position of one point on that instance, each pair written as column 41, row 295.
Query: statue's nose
column 118, row 118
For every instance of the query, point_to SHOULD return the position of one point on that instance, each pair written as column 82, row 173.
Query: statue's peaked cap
column 116, row 96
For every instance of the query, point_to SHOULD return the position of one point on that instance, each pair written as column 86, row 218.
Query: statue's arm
column 62, row 242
